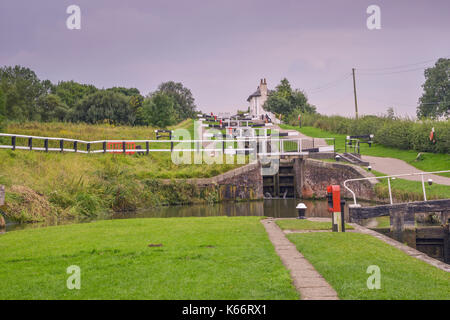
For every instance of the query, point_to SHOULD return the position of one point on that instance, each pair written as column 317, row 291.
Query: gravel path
column 391, row 166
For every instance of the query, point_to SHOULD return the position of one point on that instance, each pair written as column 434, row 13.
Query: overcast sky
column 221, row 49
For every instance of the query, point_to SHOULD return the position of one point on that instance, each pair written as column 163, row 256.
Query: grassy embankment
column 343, row 258
column 41, row 185
column 192, row 258
column 402, row 189
column 429, row 162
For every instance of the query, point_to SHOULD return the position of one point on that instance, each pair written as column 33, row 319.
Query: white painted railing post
column 390, row 191
column 423, row 188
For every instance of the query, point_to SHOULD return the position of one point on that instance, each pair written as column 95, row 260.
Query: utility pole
column 354, row 90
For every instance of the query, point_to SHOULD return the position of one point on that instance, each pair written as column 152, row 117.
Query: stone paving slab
column 306, row 279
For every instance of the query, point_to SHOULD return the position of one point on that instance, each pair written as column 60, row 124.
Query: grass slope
column 407, row 190
column 200, row 258
column 430, row 162
column 343, row 258
column 44, row 184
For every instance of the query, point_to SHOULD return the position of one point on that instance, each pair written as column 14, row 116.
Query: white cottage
column 257, row 100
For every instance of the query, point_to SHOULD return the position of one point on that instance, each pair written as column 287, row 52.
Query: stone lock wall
column 244, row 183
column 316, row 175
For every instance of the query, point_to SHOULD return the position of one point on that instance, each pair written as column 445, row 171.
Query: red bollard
column 336, row 207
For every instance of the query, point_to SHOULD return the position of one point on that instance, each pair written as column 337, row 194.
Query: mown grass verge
column 429, row 161
column 343, row 258
column 297, row 224
column 192, row 258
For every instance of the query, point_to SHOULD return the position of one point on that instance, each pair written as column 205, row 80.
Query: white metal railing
column 265, row 145
column 393, row 177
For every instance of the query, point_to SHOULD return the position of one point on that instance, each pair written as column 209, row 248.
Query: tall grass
column 71, row 184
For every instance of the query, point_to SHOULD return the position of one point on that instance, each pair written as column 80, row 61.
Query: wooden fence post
column 2, row 195
column 2, row 202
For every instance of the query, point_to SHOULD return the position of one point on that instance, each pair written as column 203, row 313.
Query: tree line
column 24, row 97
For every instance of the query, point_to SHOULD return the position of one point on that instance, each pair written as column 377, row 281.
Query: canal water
column 277, row 208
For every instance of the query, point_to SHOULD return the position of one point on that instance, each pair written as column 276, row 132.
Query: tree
column 2, row 108
column 22, row 88
column 159, row 110
column 72, row 92
column 51, row 108
column 103, row 106
column 184, row 102
column 435, row 100
column 283, row 100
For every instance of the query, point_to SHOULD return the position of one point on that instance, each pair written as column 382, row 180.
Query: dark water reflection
column 278, row 208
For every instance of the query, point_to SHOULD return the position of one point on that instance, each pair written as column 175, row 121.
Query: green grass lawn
column 430, row 162
column 343, row 258
column 200, row 258
column 297, row 224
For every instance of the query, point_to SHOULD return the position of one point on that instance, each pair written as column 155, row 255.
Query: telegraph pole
column 354, row 90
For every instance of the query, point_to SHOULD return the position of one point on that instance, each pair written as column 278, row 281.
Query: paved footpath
column 391, row 166
column 310, row 284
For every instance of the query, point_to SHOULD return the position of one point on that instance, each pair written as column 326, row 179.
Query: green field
column 200, row 258
column 429, row 162
column 343, row 258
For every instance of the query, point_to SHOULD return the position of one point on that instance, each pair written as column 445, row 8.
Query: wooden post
column 75, row 146
column 446, row 241
column 46, row 145
column 124, row 148
column 104, row 146
column 2, row 195
column 13, row 142
column 2, row 202
column 30, row 143
column 88, row 148
column 354, row 91
column 61, row 145
column 147, row 147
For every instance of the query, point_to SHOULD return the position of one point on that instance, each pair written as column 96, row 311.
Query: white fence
column 262, row 145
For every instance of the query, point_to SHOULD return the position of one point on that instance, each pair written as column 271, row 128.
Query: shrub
column 391, row 132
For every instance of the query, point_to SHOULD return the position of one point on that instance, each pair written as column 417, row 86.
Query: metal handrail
column 389, row 182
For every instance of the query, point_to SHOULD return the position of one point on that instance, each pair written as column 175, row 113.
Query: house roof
column 257, row 93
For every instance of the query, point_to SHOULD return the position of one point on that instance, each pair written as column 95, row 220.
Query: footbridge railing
column 393, row 177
